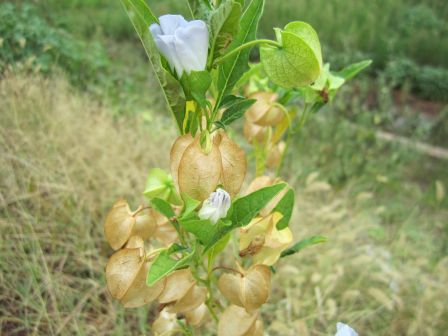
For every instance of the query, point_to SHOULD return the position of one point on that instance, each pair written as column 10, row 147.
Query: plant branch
column 244, row 46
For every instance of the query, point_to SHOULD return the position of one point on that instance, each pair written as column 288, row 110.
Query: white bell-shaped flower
column 184, row 44
column 216, row 206
column 344, row 330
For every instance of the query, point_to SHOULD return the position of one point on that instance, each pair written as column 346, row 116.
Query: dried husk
column 256, row 330
column 275, row 240
column 177, row 286
column 165, row 324
column 250, row 290
column 234, row 165
column 275, row 154
column 254, row 132
column 264, row 112
column 121, row 223
column 197, row 317
column 192, row 300
column 199, row 173
column 235, row 321
column 126, row 278
column 165, row 231
column 177, row 150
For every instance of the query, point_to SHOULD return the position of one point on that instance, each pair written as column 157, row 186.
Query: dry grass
column 64, row 160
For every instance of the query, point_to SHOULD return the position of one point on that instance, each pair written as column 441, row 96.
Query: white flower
column 216, row 206
column 184, row 44
column 344, row 330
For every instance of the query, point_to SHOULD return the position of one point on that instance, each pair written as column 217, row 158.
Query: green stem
column 291, row 133
column 244, row 46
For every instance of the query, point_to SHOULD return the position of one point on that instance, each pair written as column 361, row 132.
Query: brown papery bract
column 198, row 172
column 122, row 223
column 235, row 321
column 275, row 154
column 250, row 289
column 126, row 278
column 197, row 317
column 177, row 285
column 264, row 112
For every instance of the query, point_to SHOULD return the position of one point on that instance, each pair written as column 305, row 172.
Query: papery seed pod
column 275, row 154
column 177, row 286
column 197, row 317
column 122, row 223
column 165, row 231
column 257, row 329
column 198, row 173
column 165, row 324
column 249, row 290
column 235, row 321
column 126, row 278
column 264, row 112
column 234, row 165
column 275, row 240
column 191, row 300
column 254, row 132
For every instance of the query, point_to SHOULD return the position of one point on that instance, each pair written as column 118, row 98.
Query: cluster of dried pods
column 197, row 172
column 266, row 121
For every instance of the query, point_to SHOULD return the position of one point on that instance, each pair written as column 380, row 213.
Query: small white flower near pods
column 216, row 206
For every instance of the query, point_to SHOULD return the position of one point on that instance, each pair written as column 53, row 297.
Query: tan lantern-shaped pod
column 249, row 289
column 177, row 285
column 197, row 316
column 126, row 273
column 122, row 223
column 236, row 321
column 254, row 132
column 198, row 171
column 165, row 324
column 275, row 154
column 165, row 231
column 265, row 111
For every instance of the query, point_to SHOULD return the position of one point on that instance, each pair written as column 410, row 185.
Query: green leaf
column 202, row 229
column 196, row 85
column 164, row 264
column 190, row 204
column 236, row 107
column 163, row 207
column 353, row 69
column 302, row 244
column 244, row 210
column 141, row 18
column 218, row 248
column 224, row 25
column 234, row 67
column 200, row 9
column 299, row 61
column 160, row 185
column 285, row 207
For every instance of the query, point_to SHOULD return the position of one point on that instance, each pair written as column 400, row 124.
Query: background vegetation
column 81, row 122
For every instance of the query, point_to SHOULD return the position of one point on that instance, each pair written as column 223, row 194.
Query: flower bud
column 122, row 223
column 126, row 273
column 216, row 206
column 250, row 289
column 264, row 112
column 345, row 330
